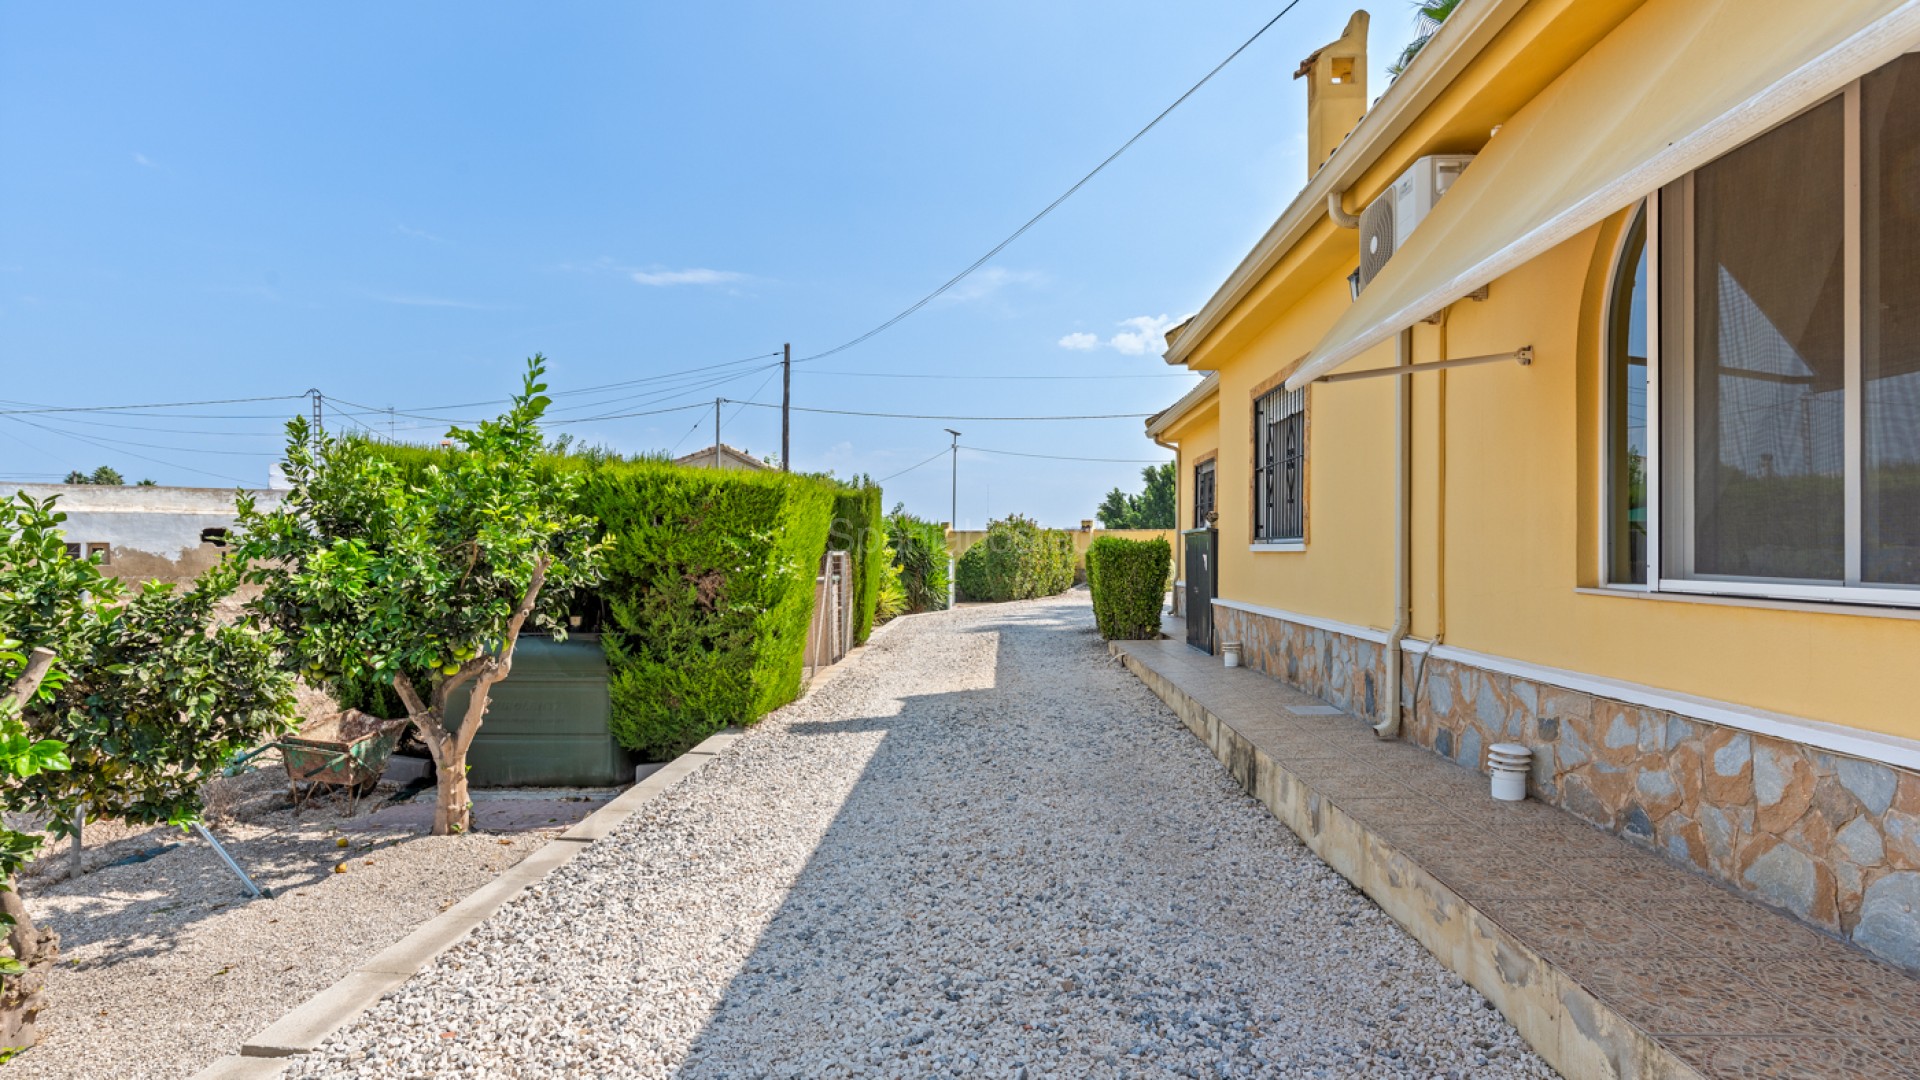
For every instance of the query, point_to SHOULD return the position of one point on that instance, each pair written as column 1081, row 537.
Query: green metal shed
column 547, row 724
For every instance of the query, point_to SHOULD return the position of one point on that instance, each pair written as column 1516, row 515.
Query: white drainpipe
column 1389, row 725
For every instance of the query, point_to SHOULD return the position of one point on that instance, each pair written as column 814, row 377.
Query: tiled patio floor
column 1712, row 981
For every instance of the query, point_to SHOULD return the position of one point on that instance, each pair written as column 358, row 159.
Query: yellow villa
column 1575, row 402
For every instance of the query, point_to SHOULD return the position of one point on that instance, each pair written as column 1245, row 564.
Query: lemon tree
column 422, row 583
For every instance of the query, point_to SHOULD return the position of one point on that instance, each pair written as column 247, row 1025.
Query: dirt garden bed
column 166, row 963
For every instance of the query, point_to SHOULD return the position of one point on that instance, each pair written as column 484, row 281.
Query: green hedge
column 708, row 591
column 1129, row 583
column 859, row 529
column 1016, row 560
column 920, row 560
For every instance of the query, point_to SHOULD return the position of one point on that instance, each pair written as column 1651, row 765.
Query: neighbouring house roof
column 1160, row 422
column 730, row 458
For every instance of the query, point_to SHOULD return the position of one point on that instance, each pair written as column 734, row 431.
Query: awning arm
column 1522, row 356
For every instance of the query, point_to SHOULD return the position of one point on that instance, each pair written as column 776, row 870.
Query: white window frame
column 1608, row 477
column 1851, row 590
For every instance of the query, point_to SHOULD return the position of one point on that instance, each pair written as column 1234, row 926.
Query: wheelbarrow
column 353, row 758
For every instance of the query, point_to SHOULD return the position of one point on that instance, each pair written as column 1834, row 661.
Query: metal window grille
column 1280, row 466
column 1203, row 493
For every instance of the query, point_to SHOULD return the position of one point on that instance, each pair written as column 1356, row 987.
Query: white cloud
column 1144, row 332
column 418, row 234
column 689, row 276
column 985, row 283
column 1138, row 336
column 144, row 161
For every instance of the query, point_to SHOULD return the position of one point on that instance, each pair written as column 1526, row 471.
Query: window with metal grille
column 1280, row 467
column 1202, row 493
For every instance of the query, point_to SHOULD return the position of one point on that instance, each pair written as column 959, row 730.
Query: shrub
column 1129, row 583
column 368, row 571
column 920, row 560
column 859, row 530
column 708, row 595
column 893, row 597
column 1017, row 560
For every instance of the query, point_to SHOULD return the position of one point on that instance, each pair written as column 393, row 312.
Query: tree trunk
column 20, row 995
column 452, row 807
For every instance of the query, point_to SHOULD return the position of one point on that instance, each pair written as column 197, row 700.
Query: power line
column 750, row 397
column 129, row 453
column 701, row 370
column 925, row 416
column 677, row 444
column 1067, row 457
column 909, row 375
column 149, row 405
column 649, row 412
column 942, row 452
column 1082, row 182
column 163, row 446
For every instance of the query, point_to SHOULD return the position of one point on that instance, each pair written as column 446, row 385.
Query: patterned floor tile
column 1680, row 995
column 1717, row 923
column 1738, row 1057
column 1502, row 878
column 1847, row 993
column 1424, row 842
column 1635, row 876
column 1562, row 837
column 1338, row 784
column 1376, row 811
column 1448, row 781
column 1565, row 928
column 1289, row 745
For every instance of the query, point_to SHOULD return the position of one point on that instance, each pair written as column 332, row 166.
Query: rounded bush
column 1017, row 560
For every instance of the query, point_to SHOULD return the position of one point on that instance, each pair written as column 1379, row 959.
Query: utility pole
column 953, row 522
column 716, row 431
column 953, row 512
column 786, row 406
column 319, row 421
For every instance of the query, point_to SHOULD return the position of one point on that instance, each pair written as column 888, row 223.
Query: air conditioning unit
column 1387, row 220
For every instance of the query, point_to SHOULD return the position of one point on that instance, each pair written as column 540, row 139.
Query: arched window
column 1627, row 409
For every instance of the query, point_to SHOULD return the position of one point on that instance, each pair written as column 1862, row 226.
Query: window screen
column 1890, row 324
column 1768, row 358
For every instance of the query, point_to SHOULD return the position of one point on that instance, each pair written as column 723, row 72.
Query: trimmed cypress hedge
column 1016, row 560
column 1129, row 583
column 709, row 593
column 859, row 529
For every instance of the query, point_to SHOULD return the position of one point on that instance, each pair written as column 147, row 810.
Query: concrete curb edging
column 1576, row 1032
column 308, row 1024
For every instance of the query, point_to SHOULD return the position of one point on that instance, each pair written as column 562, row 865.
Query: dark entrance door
column 1202, row 585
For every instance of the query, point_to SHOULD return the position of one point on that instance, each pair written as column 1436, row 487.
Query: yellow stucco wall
column 1197, row 438
column 1506, row 493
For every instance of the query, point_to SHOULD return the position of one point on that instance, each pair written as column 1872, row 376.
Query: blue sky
column 398, row 203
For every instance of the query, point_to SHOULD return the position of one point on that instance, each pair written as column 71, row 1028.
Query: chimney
column 1336, row 91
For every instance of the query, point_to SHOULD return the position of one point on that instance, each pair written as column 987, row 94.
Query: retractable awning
column 1676, row 85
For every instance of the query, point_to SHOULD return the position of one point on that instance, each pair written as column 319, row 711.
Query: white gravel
column 980, row 849
column 166, row 965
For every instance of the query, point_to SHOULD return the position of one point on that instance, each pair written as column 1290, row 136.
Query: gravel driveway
column 979, row 849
